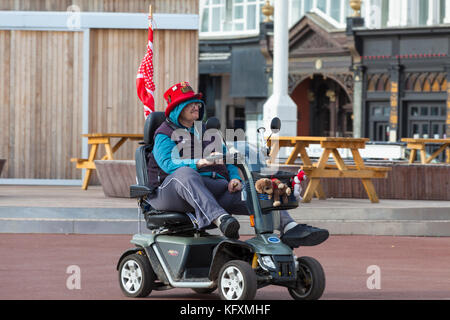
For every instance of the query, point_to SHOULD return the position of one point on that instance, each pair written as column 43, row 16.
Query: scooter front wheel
column 310, row 282
column 237, row 281
column 136, row 276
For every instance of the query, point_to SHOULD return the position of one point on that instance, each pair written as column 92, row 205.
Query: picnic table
column 97, row 139
column 321, row 169
column 419, row 145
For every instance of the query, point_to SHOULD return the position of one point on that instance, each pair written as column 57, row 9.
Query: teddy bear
column 296, row 183
column 274, row 187
column 264, row 186
column 281, row 191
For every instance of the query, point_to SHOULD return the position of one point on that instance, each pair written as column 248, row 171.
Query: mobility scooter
column 178, row 255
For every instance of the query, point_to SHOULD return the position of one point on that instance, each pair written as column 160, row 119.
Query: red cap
column 179, row 93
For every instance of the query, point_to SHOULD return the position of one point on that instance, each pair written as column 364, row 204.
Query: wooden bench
column 83, row 163
column 351, row 172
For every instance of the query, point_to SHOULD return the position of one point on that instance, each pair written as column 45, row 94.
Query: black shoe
column 304, row 235
column 229, row 226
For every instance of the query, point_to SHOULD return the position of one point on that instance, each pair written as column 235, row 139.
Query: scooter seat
column 167, row 219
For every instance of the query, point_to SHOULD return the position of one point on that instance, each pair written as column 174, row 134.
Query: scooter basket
column 266, row 203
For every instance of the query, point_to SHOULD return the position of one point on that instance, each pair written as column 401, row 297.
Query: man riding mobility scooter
column 178, row 255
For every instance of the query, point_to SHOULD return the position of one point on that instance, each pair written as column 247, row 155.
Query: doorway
column 324, row 108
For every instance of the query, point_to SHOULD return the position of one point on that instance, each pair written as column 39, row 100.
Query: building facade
column 405, row 74
column 379, row 73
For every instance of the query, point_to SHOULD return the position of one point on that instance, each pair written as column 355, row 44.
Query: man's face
column 191, row 112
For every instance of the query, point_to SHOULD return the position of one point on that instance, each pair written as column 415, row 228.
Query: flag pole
column 145, row 86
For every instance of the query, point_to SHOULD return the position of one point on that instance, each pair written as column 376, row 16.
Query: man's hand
column 217, row 157
column 234, row 186
column 203, row 163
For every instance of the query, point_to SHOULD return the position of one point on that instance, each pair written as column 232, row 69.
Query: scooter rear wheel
column 237, row 281
column 310, row 282
column 136, row 276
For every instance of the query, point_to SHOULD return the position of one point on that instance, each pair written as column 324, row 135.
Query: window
column 251, row 15
column 426, row 121
column 322, row 5
column 295, row 11
column 230, row 17
column 442, row 11
column 379, row 121
column 384, row 13
column 423, row 12
column 335, row 10
column 211, row 15
column 307, row 5
column 205, row 21
column 215, row 26
column 434, row 111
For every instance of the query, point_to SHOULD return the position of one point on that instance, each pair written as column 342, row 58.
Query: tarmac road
column 35, row 266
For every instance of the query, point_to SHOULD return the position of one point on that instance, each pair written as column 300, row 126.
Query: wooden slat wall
column 5, row 128
column 115, row 58
column 41, row 84
column 160, row 6
column 40, row 103
column 408, row 182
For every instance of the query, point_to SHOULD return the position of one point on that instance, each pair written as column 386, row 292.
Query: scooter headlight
column 268, row 262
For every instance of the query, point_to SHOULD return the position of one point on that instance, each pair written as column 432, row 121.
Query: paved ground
column 68, row 209
column 74, row 197
column 34, row 266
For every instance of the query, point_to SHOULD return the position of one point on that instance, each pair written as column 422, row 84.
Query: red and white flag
column 144, row 80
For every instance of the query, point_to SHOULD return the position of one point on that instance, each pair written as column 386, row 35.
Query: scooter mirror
column 275, row 125
column 213, row 123
column 261, row 130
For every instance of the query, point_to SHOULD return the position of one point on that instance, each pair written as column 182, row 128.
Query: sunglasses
column 195, row 105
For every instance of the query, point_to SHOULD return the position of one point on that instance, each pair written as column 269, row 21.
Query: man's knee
column 233, row 203
column 186, row 172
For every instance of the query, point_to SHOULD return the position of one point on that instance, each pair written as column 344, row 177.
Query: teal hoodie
column 169, row 162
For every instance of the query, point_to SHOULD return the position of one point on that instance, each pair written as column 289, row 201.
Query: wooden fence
column 405, row 181
column 40, row 103
column 41, row 83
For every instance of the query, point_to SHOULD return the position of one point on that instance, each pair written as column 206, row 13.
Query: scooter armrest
column 138, row 191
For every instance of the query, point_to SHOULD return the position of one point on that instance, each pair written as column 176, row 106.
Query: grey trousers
column 204, row 198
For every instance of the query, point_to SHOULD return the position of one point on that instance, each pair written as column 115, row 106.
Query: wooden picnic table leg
column 423, row 155
column 367, row 182
column 119, row 144
column 338, row 159
column 412, row 156
column 274, row 149
column 315, row 182
column 294, row 154
column 319, row 193
column 448, row 154
column 436, row 153
column 91, row 158
column 109, row 151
